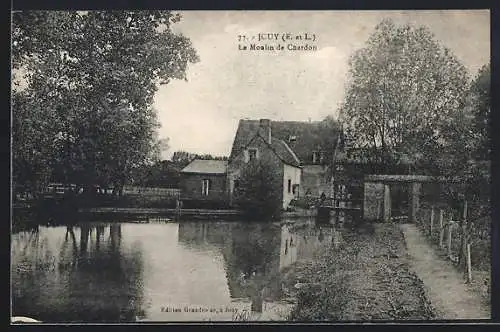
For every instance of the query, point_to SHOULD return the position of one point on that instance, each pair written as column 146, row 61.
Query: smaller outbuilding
column 203, row 184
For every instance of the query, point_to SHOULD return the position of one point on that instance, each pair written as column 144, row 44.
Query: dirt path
column 445, row 285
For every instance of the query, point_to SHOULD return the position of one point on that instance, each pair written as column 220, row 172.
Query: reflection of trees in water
column 254, row 249
column 23, row 242
column 31, row 260
column 102, row 282
column 31, row 253
column 250, row 251
column 253, row 262
column 251, row 248
column 198, row 233
column 111, row 273
column 303, row 243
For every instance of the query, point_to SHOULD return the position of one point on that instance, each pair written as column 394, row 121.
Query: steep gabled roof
column 280, row 148
column 309, row 136
column 284, row 152
column 206, row 167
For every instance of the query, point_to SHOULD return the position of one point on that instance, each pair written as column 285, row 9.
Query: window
column 289, row 186
column 315, row 157
column 236, row 184
column 252, row 154
column 205, row 186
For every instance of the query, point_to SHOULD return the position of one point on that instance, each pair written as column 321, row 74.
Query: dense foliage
column 406, row 98
column 258, row 190
column 411, row 101
column 183, row 158
column 83, row 91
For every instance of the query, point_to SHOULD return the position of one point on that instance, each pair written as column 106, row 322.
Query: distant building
column 203, row 183
column 257, row 143
column 297, row 151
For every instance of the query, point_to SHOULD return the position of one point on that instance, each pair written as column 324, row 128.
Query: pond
column 156, row 271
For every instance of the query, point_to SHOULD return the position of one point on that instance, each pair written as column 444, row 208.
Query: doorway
column 399, row 200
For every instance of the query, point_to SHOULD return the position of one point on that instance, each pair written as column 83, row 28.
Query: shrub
column 258, row 192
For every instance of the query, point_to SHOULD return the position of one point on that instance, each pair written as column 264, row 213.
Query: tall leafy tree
column 85, row 87
column 405, row 96
column 478, row 166
column 481, row 106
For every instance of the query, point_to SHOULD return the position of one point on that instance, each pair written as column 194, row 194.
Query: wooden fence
column 150, row 191
column 456, row 236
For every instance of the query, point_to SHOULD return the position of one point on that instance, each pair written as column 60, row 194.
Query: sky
column 201, row 115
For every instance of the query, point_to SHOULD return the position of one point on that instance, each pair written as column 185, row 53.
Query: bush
column 258, row 192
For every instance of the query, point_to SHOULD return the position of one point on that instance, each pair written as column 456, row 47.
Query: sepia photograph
column 250, row 166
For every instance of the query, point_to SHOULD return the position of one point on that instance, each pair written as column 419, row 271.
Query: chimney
column 265, row 124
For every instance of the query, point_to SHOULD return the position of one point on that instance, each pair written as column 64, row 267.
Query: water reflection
column 59, row 278
column 305, row 243
column 123, row 272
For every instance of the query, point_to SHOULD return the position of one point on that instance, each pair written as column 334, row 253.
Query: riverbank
column 205, row 213
column 368, row 277
column 28, row 214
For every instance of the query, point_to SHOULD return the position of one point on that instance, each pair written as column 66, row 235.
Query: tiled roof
column 284, row 152
column 309, row 136
column 206, row 167
column 279, row 147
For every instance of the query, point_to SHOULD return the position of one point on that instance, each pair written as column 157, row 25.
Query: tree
column 405, row 97
column 480, row 102
column 163, row 174
column 183, row 158
column 258, row 191
column 31, row 148
column 478, row 166
column 87, row 85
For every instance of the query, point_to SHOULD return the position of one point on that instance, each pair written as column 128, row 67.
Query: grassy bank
column 366, row 278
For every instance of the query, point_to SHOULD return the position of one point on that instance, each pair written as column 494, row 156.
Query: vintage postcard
column 236, row 166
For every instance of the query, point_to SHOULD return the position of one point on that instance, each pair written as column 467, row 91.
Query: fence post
column 450, row 230
column 469, row 267
column 432, row 220
column 463, row 239
column 441, row 228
